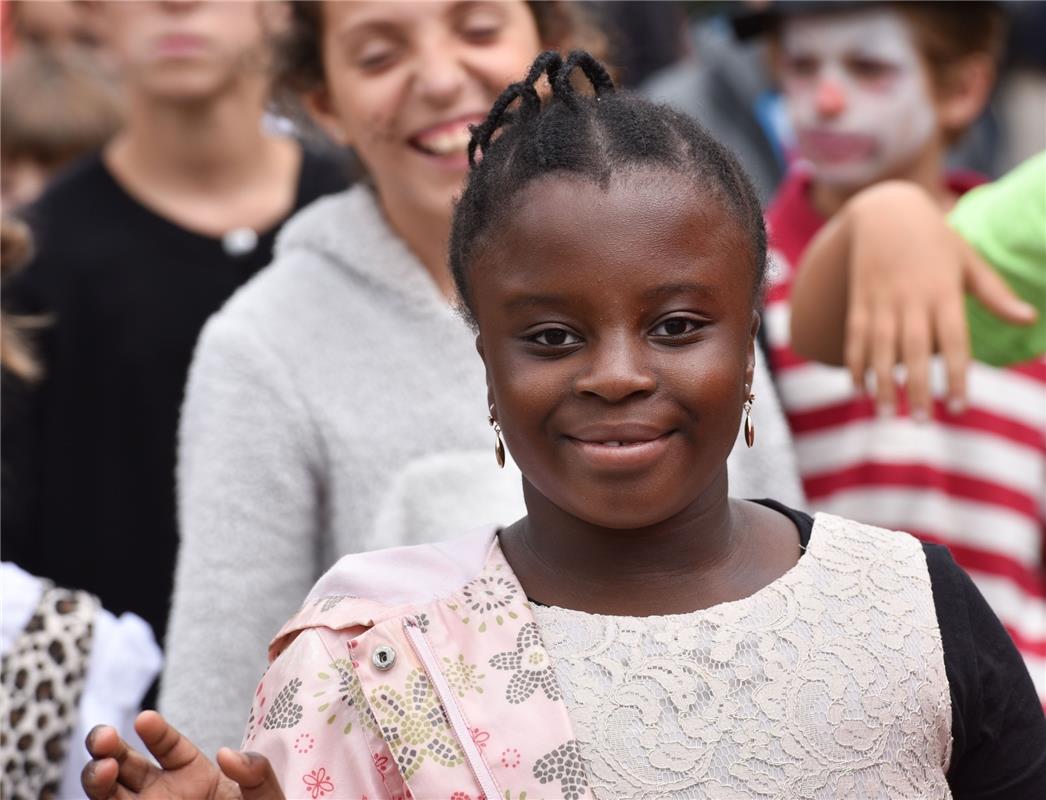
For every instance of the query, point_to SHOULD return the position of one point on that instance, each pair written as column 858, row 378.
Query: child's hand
column 909, row 272
column 900, row 272
column 119, row 772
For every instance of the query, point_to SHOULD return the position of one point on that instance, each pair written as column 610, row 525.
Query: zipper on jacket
column 423, row 650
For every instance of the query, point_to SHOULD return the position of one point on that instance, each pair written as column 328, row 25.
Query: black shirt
column 89, row 453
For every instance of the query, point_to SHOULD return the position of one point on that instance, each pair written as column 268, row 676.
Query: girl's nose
column 830, row 98
column 616, row 372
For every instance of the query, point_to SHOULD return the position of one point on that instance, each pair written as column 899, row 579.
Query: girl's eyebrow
column 673, row 289
column 520, row 301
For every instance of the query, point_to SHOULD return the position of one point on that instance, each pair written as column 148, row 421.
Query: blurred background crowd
column 155, row 536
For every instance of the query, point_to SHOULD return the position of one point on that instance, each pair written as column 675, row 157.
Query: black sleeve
column 998, row 727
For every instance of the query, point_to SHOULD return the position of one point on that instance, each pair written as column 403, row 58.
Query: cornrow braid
column 588, row 135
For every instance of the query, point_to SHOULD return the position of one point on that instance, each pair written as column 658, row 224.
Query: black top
column 89, row 454
column 998, row 727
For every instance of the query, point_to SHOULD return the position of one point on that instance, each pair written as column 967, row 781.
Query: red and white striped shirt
column 975, row 482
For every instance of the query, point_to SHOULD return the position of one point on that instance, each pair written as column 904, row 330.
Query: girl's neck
column 208, row 146
column 207, row 167
column 427, row 234
column 925, row 170
column 692, row 560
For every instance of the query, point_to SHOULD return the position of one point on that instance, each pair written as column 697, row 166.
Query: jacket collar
column 463, row 633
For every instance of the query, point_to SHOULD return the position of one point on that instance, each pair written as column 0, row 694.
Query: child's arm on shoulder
column 883, row 283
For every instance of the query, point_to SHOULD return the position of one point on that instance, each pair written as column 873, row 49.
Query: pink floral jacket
column 416, row 672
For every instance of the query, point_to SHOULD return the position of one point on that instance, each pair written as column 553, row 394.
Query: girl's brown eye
column 555, row 337
column 675, row 326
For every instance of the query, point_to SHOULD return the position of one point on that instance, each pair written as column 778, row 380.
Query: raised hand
column 119, row 772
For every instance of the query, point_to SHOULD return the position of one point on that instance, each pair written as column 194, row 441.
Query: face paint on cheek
column 855, row 129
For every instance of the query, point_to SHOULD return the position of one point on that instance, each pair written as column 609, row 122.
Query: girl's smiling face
column 617, row 328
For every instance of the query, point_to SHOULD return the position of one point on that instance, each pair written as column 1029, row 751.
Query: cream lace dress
column 828, row 683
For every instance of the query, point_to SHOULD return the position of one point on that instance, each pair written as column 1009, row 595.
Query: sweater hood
column 349, row 230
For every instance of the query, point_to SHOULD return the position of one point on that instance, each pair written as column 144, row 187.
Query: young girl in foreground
column 638, row 633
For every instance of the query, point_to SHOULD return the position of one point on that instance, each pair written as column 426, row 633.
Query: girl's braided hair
column 592, row 136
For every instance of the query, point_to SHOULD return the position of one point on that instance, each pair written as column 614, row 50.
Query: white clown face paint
column 858, row 95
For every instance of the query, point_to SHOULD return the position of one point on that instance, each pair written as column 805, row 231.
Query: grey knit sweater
column 336, row 404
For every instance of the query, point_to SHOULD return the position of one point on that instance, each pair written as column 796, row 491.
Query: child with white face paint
column 877, row 93
column 858, row 95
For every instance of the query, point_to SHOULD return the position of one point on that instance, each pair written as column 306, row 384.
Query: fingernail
column 920, row 415
column 885, row 410
column 956, row 405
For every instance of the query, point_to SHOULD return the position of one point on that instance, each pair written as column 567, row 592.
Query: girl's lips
column 831, row 146
column 622, row 455
column 180, row 44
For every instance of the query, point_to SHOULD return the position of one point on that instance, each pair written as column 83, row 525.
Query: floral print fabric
column 337, row 726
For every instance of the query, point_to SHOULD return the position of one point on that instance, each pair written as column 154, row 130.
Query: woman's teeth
column 445, row 144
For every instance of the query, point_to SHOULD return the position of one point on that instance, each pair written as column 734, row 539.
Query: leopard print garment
column 42, row 678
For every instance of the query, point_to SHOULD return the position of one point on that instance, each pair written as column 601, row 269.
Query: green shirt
column 1005, row 221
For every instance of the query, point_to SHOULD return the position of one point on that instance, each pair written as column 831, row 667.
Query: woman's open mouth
column 446, row 143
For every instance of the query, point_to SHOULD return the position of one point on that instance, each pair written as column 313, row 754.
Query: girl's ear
column 964, row 91
column 320, row 106
column 750, row 359
column 490, row 389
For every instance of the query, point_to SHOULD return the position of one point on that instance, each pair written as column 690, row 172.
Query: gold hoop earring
column 749, row 425
column 499, row 446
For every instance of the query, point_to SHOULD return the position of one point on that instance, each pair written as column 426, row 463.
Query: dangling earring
column 499, row 446
column 749, row 425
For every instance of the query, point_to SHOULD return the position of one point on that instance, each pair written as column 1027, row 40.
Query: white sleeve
column 124, row 662
column 249, row 518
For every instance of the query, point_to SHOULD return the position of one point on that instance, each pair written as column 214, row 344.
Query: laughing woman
column 336, row 403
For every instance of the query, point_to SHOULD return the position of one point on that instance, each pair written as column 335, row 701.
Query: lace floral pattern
column 827, row 683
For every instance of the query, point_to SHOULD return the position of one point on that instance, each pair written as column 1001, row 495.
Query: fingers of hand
column 252, row 772
column 98, row 778
column 953, row 339
column 133, row 770
column 855, row 351
column 171, row 749
column 988, row 286
column 884, row 356
column 916, row 347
